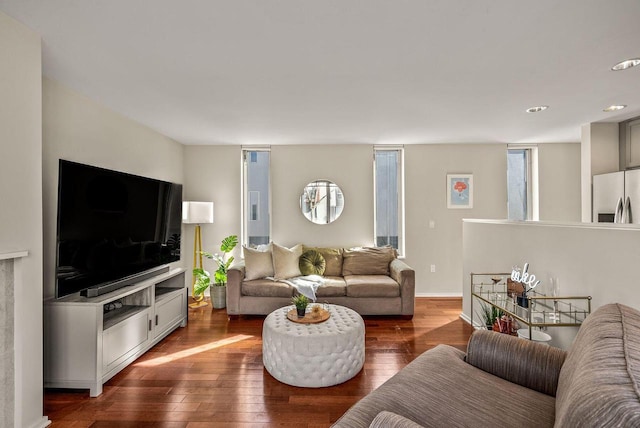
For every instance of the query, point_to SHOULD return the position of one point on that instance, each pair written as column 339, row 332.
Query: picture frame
column 460, row 191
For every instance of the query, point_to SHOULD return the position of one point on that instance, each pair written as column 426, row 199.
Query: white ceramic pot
column 536, row 335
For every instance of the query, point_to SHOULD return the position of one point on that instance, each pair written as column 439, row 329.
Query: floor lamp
column 197, row 213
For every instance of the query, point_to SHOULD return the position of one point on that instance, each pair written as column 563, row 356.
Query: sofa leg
column 234, row 317
column 406, row 317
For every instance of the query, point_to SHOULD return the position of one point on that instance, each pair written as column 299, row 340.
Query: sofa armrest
column 530, row 364
column 235, row 276
column 386, row 419
column 406, row 277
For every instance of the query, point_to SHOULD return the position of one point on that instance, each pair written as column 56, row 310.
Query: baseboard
column 466, row 319
column 44, row 422
column 449, row 295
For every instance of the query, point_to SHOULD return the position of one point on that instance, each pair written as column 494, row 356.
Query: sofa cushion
column 333, row 286
column 387, row 419
column 439, row 389
column 285, row 261
column 371, row 286
column 367, row 261
column 266, row 288
column 311, row 263
column 525, row 362
column 599, row 384
column 257, row 263
column 332, row 259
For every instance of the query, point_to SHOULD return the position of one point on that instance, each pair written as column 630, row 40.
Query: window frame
column 400, row 195
column 532, row 189
column 245, row 209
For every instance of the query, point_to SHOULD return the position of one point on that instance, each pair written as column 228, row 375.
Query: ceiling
column 346, row 71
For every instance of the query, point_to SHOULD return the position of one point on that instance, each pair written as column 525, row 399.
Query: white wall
column 589, row 260
column 349, row 166
column 559, row 181
column 78, row 129
column 213, row 173
column 600, row 153
column 426, row 168
column 21, row 204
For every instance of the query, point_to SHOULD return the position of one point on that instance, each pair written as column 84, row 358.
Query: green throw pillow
column 312, row 263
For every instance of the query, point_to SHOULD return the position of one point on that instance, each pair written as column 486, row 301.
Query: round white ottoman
column 313, row 355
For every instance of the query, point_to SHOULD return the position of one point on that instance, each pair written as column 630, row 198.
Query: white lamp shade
column 197, row 212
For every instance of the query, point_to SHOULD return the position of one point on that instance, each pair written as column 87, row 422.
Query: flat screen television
column 113, row 227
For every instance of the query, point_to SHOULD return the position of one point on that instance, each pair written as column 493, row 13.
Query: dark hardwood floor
column 210, row 374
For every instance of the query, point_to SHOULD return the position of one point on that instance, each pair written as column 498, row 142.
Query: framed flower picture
column 459, row 190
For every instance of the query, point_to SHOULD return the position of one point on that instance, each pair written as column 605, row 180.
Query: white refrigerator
column 616, row 197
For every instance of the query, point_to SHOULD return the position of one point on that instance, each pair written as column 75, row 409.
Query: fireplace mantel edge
column 6, row 255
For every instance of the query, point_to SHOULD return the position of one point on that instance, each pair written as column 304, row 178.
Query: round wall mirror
column 321, row 202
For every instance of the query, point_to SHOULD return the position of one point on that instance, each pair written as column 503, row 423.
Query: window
column 256, row 221
column 522, row 183
column 389, row 197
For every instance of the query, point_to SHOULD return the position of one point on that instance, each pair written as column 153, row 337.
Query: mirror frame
column 324, row 207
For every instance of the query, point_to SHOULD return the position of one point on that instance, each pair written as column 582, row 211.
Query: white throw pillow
column 286, row 261
column 257, row 263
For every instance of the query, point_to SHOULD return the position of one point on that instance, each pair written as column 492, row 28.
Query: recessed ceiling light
column 628, row 63
column 614, row 108
column 536, row 109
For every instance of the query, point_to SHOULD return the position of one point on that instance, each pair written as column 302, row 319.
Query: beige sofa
column 371, row 281
column 503, row 381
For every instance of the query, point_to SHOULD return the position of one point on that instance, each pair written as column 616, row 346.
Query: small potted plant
column 490, row 314
column 203, row 278
column 301, row 303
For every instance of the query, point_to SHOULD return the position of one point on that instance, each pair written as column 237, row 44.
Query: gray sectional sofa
column 370, row 280
column 504, row 381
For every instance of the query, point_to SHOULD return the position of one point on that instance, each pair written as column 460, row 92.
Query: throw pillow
column 368, row 261
column 285, row 261
column 257, row 264
column 332, row 258
column 312, row 263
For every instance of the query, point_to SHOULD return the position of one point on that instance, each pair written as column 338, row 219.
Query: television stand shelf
column 88, row 340
column 118, row 315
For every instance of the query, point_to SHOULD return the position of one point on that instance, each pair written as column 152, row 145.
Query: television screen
column 112, row 226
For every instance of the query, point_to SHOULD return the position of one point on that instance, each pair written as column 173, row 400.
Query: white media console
column 86, row 345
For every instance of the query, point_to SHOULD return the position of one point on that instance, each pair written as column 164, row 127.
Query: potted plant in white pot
column 218, row 286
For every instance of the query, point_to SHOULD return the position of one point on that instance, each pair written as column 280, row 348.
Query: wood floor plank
column 210, row 374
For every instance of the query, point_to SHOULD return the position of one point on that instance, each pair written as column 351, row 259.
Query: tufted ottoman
column 313, row 355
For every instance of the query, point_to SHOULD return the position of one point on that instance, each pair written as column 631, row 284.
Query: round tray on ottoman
column 313, row 355
column 309, row 317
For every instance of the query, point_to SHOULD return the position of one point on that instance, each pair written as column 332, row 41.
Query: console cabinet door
column 170, row 311
column 125, row 338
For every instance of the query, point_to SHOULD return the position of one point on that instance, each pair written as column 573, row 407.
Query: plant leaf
column 228, row 263
column 201, row 286
column 220, row 278
column 201, row 272
column 203, row 281
column 207, row 254
column 229, row 243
